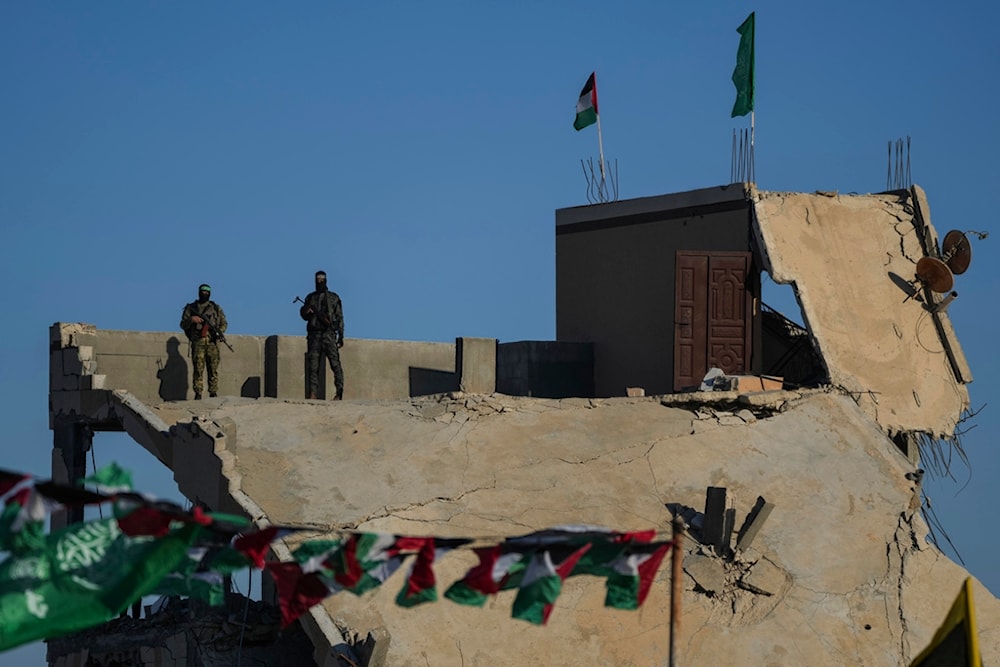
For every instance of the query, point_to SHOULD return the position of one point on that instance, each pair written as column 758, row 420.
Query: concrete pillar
column 720, row 515
column 476, row 364
column 71, row 440
column 285, row 367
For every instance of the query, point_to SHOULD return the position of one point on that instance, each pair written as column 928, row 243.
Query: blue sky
column 417, row 152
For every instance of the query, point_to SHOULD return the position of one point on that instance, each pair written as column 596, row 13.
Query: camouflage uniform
column 204, row 348
column 324, row 336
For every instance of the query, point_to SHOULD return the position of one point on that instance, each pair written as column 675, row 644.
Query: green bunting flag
column 87, row 573
column 84, row 575
column 110, row 479
column 743, row 75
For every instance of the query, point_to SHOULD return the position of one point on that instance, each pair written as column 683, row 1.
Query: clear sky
column 417, row 153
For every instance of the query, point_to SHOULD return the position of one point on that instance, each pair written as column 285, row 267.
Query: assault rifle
column 216, row 334
column 324, row 320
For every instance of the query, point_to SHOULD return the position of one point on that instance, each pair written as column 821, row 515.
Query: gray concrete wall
column 155, row 366
column 615, row 277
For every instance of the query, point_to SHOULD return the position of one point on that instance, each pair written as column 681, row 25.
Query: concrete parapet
column 393, row 369
column 155, row 367
column 284, row 366
column 546, row 369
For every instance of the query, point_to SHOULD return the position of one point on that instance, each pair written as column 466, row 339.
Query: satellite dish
column 935, row 274
column 956, row 252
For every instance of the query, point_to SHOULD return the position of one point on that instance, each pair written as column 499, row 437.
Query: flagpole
column 600, row 147
column 676, row 589
column 752, row 176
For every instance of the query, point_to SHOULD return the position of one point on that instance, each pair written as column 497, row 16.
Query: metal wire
column 601, row 188
column 741, row 169
column 898, row 172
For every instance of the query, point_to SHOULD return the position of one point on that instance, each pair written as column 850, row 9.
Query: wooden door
column 713, row 315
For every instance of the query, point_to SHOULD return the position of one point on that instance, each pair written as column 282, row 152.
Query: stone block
column 71, row 364
column 176, row 648
column 59, row 381
column 765, row 577
column 707, row 573
column 93, row 381
column 754, row 383
column 773, row 397
column 635, row 391
column 719, row 513
column 755, row 519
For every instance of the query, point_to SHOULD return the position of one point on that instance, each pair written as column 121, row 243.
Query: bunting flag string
column 87, row 573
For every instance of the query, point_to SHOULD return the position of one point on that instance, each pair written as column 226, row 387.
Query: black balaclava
column 204, row 292
column 320, row 281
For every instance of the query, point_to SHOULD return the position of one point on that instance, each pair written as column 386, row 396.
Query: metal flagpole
column 752, row 176
column 676, row 589
column 600, row 146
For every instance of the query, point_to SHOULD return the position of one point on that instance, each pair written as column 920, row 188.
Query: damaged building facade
column 480, row 437
column 668, row 287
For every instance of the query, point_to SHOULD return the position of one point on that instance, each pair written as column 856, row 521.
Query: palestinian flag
column 298, row 590
column 255, row 545
column 22, row 521
column 366, row 560
column 420, row 583
column 360, row 563
column 193, row 578
column 607, row 548
column 491, row 575
column 542, row 582
column 306, row 581
column 633, row 575
column 586, row 106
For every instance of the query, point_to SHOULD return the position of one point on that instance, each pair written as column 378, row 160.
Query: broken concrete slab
column 373, row 466
column 881, row 347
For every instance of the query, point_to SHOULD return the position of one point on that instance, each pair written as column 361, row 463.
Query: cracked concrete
column 901, row 362
column 840, row 572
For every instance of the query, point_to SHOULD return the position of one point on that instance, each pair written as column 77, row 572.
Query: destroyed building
column 610, row 424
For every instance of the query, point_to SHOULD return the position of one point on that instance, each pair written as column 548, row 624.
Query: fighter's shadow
column 173, row 375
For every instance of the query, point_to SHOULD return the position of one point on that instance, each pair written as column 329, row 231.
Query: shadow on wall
column 173, row 375
column 426, row 381
column 251, row 387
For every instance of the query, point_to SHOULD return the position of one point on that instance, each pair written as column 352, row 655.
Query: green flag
column 743, row 76
column 110, row 479
column 84, row 575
